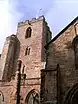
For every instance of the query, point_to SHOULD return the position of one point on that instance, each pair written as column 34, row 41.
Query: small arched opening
column 28, row 32
column 27, row 51
column 33, row 97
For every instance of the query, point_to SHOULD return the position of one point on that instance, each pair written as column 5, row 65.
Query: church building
column 38, row 69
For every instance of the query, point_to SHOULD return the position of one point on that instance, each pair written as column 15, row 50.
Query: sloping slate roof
column 61, row 32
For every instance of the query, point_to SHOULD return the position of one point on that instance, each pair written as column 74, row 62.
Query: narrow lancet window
column 28, row 32
column 27, row 51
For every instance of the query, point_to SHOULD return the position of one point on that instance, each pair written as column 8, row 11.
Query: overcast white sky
column 58, row 14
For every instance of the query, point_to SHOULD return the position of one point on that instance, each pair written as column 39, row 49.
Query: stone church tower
column 38, row 75
column 28, row 46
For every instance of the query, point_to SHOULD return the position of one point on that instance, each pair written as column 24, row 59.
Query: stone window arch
column 1, row 97
column 33, row 97
column 28, row 32
column 76, row 28
column 27, row 51
column 71, row 96
column 75, row 48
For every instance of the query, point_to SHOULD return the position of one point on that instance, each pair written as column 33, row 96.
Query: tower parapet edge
column 40, row 18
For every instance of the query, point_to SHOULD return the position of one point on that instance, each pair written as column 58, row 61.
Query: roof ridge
column 73, row 21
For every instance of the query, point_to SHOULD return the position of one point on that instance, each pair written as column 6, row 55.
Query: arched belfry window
column 28, row 32
column 27, row 51
column 33, row 97
column 75, row 47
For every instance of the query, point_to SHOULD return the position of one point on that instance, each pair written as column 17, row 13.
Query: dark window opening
column 28, row 32
column 23, row 69
column 75, row 47
column 27, row 51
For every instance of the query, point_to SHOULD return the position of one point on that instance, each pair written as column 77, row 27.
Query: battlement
column 31, row 21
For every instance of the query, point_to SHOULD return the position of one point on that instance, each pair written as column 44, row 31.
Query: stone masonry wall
column 3, row 58
column 10, row 57
column 61, row 52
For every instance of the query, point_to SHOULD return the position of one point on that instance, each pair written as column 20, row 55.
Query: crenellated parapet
column 31, row 21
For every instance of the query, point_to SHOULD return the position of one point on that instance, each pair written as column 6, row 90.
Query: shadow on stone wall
column 68, row 76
